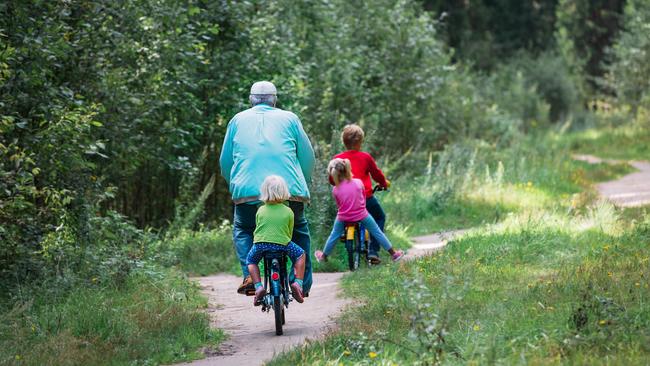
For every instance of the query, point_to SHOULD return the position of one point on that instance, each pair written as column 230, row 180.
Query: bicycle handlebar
column 379, row 188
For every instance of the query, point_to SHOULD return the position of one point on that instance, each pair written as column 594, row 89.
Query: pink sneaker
column 296, row 291
column 320, row 256
column 399, row 254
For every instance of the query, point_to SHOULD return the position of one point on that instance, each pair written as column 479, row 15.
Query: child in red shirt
column 364, row 167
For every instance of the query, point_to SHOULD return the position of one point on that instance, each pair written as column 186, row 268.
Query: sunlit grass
column 630, row 141
column 151, row 319
column 550, row 275
column 547, row 288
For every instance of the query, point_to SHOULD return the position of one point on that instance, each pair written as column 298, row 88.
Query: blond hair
column 352, row 136
column 274, row 190
column 339, row 170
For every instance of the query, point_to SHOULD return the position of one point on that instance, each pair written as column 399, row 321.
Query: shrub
column 629, row 73
column 551, row 77
column 510, row 88
column 200, row 252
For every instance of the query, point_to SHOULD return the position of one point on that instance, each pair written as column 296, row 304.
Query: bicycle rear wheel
column 279, row 314
column 353, row 254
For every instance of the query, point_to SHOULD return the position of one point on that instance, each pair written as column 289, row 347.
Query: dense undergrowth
column 152, row 318
column 550, row 275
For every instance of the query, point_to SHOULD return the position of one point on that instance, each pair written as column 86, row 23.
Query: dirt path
column 252, row 339
column 251, row 332
column 629, row 191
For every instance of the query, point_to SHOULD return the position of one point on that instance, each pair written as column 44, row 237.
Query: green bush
column 629, row 73
column 511, row 89
column 552, row 79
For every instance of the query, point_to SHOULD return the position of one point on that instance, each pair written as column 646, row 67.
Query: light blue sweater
column 263, row 141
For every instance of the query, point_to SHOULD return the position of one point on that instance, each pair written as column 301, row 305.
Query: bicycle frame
column 275, row 278
column 357, row 240
column 356, row 244
column 276, row 282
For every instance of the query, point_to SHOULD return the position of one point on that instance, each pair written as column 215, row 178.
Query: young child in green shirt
column 273, row 230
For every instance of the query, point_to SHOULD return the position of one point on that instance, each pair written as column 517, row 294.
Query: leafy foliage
column 584, row 31
column 630, row 70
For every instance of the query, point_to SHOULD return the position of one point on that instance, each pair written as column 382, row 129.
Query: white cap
column 263, row 87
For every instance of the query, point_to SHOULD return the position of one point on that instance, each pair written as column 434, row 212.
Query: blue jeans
column 244, row 226
column 370, row 225
column 377, row 213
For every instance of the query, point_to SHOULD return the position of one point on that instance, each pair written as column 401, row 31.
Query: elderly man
column 259, row 142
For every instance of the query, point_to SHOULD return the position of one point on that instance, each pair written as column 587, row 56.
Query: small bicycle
column 357, row 243
column 276, row 283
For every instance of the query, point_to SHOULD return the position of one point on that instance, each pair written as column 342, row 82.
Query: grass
column 629, row 141
column 199, row 253
column 154, row 318
column 550, row 276
column 501, row 183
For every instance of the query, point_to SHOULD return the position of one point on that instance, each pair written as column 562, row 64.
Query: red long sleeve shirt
column 363, row 167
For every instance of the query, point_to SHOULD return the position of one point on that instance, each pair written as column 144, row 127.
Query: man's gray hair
column 269, row 99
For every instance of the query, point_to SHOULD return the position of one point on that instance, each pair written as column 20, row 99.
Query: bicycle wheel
column 278, row 310
column 357, row 254
column 353, row 262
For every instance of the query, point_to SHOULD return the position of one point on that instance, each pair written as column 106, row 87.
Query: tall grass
column 474, row 183
column 152, row 319
column 199, row 253
column 623, row 135
column 550, row 276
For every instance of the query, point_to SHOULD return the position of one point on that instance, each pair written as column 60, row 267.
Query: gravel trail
column 631, row 190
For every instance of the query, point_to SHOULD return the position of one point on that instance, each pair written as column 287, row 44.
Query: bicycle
column 357, row 244
column 276, row 283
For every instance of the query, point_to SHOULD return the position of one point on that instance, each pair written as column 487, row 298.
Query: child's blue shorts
column 257, row 251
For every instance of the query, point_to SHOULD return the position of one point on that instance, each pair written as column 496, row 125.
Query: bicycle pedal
column 250, row 292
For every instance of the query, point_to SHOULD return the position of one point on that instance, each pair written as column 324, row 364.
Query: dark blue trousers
column 377, row 213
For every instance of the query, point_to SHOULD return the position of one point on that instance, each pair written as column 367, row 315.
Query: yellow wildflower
column 609, row 274
column 477, row 327
column 602, row 322
column 637, row 284
column 347, row 353
column 372, row 354
column 18, row 357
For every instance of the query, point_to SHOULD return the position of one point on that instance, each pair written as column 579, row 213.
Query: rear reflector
column 275, row 276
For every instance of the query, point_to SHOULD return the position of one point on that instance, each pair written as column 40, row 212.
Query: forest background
column 112, row 115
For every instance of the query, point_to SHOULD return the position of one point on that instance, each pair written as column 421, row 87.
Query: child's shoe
column 320, row 256
column 399, row 254
column 259, row 296
column 296, row 291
